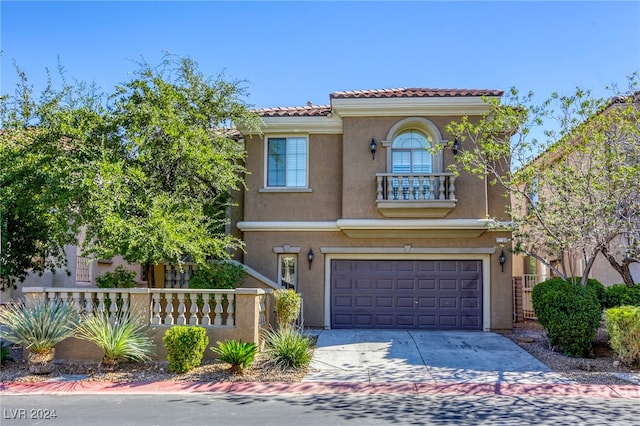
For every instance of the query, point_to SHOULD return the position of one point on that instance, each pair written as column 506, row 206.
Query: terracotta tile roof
column 305, row 111
column 414, row 92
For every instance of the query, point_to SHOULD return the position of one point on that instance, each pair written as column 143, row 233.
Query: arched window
column 409, row 153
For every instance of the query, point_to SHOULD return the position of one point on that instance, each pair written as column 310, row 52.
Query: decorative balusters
column 113, row 305
column 206, row 310
column 415, row 187
column 452, row 188
column 168, row 319
column 101, row 307
column 231, row 318
column 218, row 309
column 155, row 309
column 167, row 307
column 193, row 298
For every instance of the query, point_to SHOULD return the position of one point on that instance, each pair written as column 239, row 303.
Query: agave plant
column 120, row 338
column 38, row 326
column 237, row 353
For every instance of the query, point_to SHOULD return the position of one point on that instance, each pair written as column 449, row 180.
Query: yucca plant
column 121, row 338
column 38, row 326
column 288, row 348
column 237, row 353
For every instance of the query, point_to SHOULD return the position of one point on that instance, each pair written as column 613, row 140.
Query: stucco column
column 140, row 304
column 248, row 314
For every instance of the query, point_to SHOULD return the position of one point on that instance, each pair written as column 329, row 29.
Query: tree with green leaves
column 574, row 194
column 166, row 199
column 146, row 172
column 41, row 162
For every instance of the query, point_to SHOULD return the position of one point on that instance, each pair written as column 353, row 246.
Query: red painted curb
column 318, row 388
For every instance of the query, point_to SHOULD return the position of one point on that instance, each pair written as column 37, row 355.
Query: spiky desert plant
column 38, row 326
column 237, row 353
column 288, row 348
column 121, row 338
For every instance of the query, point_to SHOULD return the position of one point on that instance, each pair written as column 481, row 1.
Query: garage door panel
column 384, row 284
column 426, row 284
column 405, row 302
column 384, row 302
column 406, row 294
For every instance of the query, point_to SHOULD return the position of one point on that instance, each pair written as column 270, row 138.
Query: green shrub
column 39, row 325
column 185, row 347
column 287, row 307
column 118, row 278
column 597, row 287
column 237, row 353
column 621, row 295
column 124, row 338
column 288, row 348
column 570, row 314
column 217, row 275
column 623, row 326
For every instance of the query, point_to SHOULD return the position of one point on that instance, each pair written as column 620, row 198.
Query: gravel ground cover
column 600, row 369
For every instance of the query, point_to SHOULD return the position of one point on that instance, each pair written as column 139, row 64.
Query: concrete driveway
column 418, row 356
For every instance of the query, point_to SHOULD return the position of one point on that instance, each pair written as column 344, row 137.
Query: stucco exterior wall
column 312, row 281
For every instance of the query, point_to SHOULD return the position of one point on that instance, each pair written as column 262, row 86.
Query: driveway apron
column 420, row 356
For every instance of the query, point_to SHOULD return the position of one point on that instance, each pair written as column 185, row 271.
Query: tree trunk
column 624, row 268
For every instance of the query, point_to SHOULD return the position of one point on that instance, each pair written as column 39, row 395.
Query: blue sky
column 294, row 52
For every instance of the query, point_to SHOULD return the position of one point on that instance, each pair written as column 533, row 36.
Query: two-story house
column 348, row 204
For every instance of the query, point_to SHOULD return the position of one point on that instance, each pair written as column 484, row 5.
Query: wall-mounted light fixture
column 310, row 256
column 502, row 259
column 372, row 147
column 456, row 147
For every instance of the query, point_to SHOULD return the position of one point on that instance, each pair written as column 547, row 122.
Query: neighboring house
column 345, row 204
column 533, row 271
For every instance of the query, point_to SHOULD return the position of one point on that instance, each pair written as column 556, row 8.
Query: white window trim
column 265, row 161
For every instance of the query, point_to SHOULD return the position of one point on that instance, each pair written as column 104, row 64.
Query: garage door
column 406, row 294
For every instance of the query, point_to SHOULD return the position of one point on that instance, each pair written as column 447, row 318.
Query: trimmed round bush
column 570, row 314
column 185, row 347
column 621, row 295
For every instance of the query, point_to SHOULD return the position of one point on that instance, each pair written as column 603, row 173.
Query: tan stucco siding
column 322, row 202
column 312, row 282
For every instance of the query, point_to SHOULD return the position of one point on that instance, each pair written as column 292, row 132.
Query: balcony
column 431, row 195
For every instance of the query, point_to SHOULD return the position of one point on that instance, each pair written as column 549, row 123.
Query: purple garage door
column 406, row 294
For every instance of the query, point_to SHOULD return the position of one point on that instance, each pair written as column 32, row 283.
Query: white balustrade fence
column 162, row 307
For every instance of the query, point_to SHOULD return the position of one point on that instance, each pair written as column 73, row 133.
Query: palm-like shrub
column 288, row 348
column 123, row 338
column 38, row 326
column 237, row 353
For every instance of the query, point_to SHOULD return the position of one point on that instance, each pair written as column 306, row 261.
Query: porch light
column 456, row 146
column 372, row 147
column 310, row 257
column 502, row 259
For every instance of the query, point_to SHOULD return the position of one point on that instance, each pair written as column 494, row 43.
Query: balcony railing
column 415, row 195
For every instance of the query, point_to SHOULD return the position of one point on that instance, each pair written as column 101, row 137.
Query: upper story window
column 409, row 144
column 287, row 162
column 409, row 153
